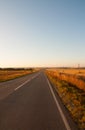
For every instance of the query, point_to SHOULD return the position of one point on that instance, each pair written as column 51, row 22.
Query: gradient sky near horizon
column 42, row 33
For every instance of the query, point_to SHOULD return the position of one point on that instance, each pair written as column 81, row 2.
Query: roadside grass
column 12, row 74
column 73, row 71
column 72, row 77
column 72, row 97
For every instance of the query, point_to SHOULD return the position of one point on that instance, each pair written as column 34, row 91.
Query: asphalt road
column 29, row 103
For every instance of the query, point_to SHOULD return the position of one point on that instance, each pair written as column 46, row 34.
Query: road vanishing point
column 31, row 103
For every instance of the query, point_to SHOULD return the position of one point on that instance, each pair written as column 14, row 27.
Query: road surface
column 29, row 103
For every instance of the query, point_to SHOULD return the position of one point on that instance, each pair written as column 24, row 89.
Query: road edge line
column 58, row 106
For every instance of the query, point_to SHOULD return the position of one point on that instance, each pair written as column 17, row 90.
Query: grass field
column 73, row 76
column 8, row 74
column 71, row 89
column 72, row 71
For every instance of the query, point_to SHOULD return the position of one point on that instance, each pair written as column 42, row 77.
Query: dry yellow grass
column 72, row 97
column 72, row 71
column 11, row 74
column 73, row 76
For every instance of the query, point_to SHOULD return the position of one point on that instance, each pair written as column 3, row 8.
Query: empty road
column 29, row 103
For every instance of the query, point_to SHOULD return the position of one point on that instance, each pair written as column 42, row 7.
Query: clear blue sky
column 42, row 33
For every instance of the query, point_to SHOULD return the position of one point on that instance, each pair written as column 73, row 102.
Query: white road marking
column 26, row 82
column 59, row 108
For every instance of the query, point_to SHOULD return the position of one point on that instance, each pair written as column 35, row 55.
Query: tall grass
column 71, row 94
column 74, row 79
column 11, row 74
